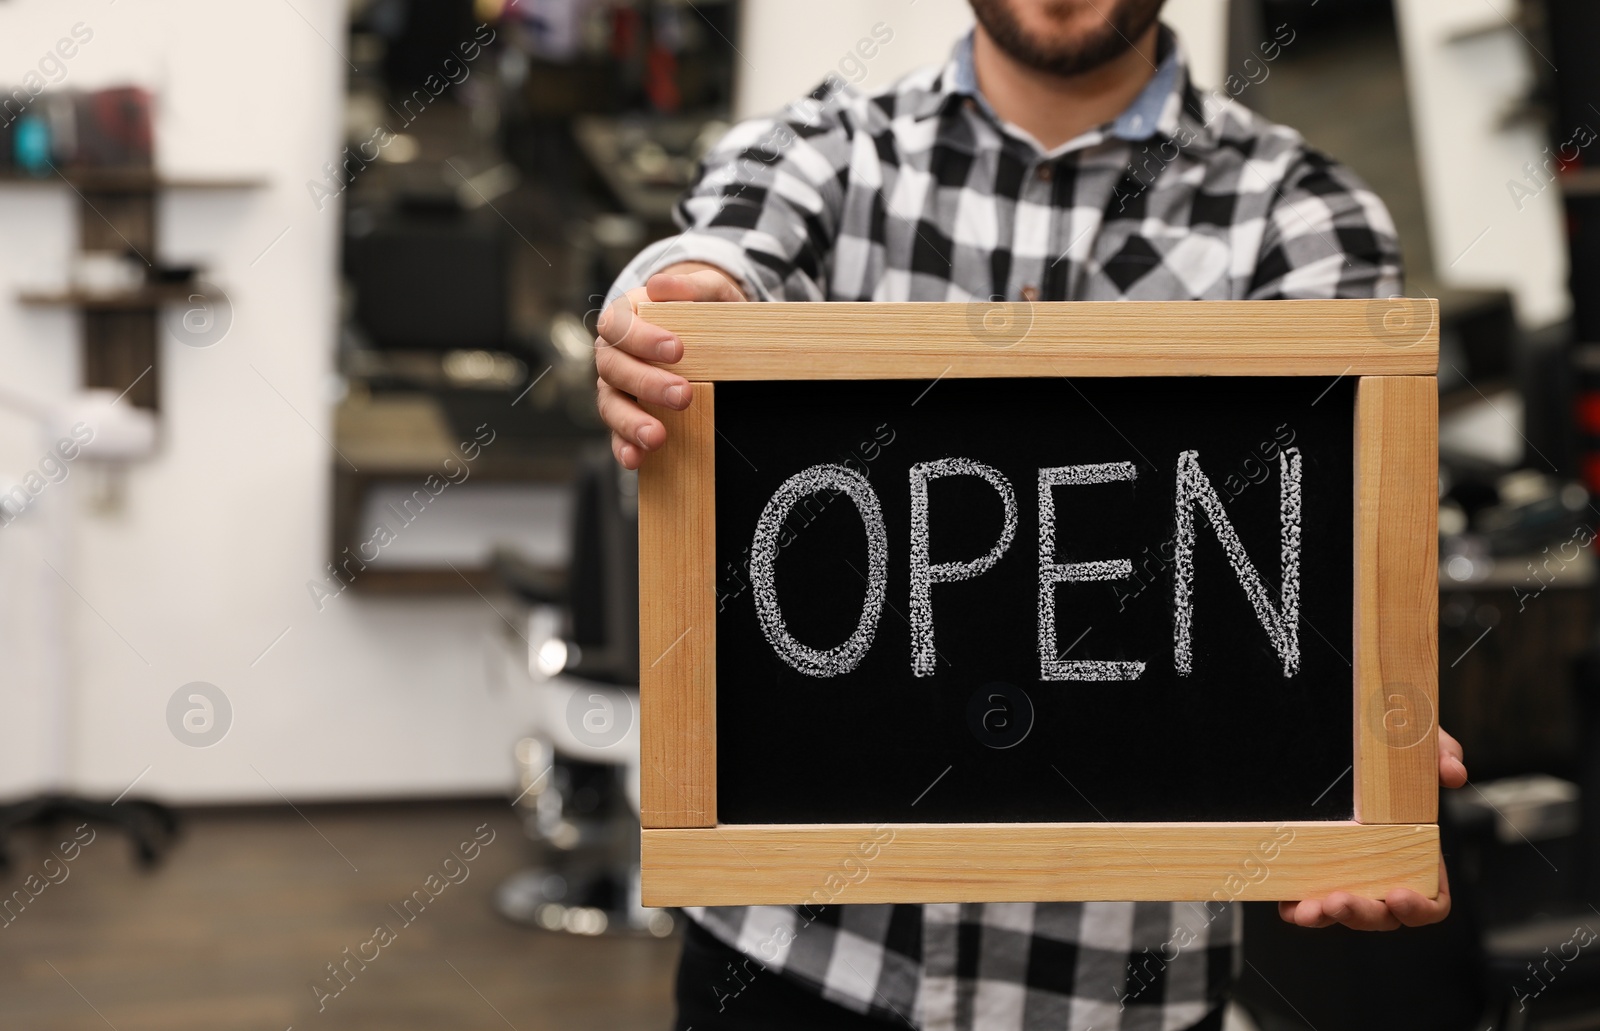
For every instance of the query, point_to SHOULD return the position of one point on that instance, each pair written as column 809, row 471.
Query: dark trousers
column 721, row 989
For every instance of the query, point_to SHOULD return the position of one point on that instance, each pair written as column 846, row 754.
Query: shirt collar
column 1158, row 109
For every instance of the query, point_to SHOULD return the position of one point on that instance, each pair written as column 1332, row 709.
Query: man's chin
column 1065, row 37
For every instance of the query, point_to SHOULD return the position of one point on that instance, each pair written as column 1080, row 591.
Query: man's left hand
column 1401, row 907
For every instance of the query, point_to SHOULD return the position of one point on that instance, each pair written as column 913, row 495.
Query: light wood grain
column 1397, row 600
column 678, row 621
column 834, row 340
column 857, row 863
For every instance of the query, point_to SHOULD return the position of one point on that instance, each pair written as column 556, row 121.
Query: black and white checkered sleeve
column 766, row 205
column 1326, row 236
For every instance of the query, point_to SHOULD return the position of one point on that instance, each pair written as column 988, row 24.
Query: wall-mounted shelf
column 1476, row 26
column 403, row 439
column 118, row 214
column 144, row 299
column 131, row 180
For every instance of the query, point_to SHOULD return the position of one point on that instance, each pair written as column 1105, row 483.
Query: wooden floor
column 251, row 907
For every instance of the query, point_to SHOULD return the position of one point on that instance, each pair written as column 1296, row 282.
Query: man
column 1061, row 154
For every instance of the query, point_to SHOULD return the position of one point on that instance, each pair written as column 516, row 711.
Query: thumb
column 704, row 285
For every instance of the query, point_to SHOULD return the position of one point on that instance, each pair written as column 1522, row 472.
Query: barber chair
column 1543, row 967
column 1520, row 950
column 579, row 764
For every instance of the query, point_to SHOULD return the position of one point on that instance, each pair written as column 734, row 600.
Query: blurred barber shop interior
column 318, row 581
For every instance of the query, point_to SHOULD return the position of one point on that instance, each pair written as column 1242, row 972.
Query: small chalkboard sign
column 1008, row 602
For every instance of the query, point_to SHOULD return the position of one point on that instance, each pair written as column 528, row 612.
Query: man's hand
column 1401, row 907
column 626, row 346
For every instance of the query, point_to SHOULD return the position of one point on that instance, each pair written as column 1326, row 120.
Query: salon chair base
column 589, row 903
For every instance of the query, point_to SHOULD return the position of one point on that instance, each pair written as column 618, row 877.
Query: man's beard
column 1124, row 22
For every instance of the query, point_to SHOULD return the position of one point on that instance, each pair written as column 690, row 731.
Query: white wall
column 207, row 562
column 1203, row 27
column 788, row 47
column 1465, row 68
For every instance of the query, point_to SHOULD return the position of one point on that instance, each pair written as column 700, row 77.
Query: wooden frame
column 1391, row 346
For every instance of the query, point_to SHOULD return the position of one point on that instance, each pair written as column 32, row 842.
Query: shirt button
column 1044, row 172
column 1030, row 293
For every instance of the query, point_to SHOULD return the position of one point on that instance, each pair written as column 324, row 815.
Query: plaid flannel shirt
column 919, row 192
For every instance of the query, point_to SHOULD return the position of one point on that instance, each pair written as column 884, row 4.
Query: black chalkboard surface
column 982, row 736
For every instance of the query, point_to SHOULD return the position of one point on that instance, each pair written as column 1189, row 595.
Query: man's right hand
column 626, row 346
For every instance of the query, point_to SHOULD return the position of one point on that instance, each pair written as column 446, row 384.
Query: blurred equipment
column 1477, row 339
column 647, row 162
column 108, row 434
column 1533, row 807
column 1516, row 578
column 552, row 29
column 31, row 145
column 72, row 131
column 579, row 765
column 1530, row 842
column 1571, row 29
column 112, row 129
column 1516, row 616
column 427, row 276
column 1586, row 412
column 1581, row 191
column 421, row 35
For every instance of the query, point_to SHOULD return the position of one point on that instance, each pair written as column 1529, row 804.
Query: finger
column 705, row 285
column 627, row 420
column 1452, row 761
column 1358, row 913
column 645, row 382
column 618, row 314
column 1307, row 913
column 1415, row 910
column 620, row 327
column 1452, row 772
column 626, row 454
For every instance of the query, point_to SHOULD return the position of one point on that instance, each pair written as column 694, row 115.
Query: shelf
column 404, row 438
column 378, row 580
column 1476, row 27
column 197, row 183
column 139, row 300
column 134, row 180
column 1504, row 572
